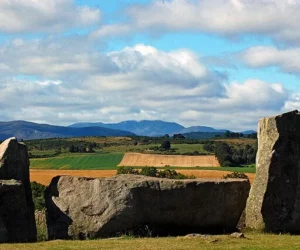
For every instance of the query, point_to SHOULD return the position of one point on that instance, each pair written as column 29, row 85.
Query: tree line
column 228, row 155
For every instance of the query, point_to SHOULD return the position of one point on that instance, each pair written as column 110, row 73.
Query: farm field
column 252, row 241
column 45, row 176
column 78, row 161
column 153, row 160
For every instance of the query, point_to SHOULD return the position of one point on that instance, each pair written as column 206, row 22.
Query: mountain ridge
column 154, row 127
column 30, row 130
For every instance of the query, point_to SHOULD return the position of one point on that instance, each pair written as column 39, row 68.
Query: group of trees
column 229, row 134
column 82, row 148
column 38, row 195
column 153, row 172
column 230, row 156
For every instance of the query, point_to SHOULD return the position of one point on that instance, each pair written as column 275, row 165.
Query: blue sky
column 196, row 62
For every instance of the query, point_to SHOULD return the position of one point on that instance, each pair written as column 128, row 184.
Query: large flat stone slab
column 82, row 208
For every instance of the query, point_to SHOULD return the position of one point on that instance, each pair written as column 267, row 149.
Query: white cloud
column 111, row 30
column 288, row 60
column 254, row 94
column 52, row 58
column 275, row 18
column 20, row 16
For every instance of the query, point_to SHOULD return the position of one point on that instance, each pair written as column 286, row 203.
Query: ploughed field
column 154, row 160
column 45, row 176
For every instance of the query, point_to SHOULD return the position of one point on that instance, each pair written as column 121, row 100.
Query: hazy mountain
column 145, row 127
column 202, row 135
column 29, row 130
column 203, row 129
column 248, row 132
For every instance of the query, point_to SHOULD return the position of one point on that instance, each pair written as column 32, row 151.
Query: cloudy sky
column 220, row 63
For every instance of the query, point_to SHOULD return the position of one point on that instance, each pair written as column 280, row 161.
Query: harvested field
column 153, row 160
column 210, row 174
column 45, row 176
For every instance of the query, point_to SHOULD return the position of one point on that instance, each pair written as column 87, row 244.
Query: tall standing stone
column 14, row 165
column 274, row 200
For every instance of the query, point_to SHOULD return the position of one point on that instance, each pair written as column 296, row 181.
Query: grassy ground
column 78, row 161
column 252, row 241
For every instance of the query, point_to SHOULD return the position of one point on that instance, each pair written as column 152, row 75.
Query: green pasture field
column 217, row 242
column 77, row 161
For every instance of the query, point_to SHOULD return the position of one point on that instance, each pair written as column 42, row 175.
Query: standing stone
column 14, row 165
column 274, row 200
column 13, row 212
column 81, row 208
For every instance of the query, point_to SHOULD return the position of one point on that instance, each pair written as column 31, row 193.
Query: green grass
column 251, row 242
column 78, row 161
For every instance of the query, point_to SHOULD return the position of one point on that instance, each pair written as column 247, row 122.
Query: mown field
column 155, row 160
column 78, row 161
column 251, row 242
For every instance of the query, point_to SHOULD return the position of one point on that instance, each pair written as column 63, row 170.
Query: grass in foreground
column 252, row 241
column 78, row 161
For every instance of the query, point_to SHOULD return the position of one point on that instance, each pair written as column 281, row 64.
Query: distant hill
column 158, row 128
column 145, row 127
column 29, row 130
column 248, row 132
column 203, row 135
column 202, row 129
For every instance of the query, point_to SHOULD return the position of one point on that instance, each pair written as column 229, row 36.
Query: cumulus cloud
column 19, row 16
column 287, row 60
column 275, row 18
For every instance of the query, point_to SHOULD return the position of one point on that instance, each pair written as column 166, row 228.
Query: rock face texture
column 274, row 200
column 89, row 208
column 14, row 166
